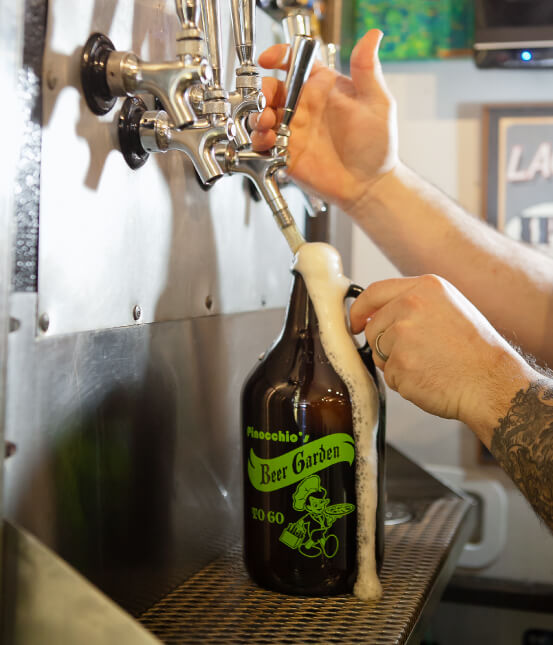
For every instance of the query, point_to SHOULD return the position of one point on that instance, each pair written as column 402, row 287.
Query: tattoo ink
column 523, row 446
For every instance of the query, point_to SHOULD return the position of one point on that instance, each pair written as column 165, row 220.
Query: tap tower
column 199, row 116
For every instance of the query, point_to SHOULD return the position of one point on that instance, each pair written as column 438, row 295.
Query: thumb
column 365, row 68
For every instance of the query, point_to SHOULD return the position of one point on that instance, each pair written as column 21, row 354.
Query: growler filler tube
column 313, row 422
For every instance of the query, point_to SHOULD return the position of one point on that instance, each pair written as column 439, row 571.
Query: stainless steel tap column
column 243, row 21
column 247, row 97
column 216, row 103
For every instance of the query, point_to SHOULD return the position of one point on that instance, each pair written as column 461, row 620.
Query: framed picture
column 518, row 172
column 418, row 29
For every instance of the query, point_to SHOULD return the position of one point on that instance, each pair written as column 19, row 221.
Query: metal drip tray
column 221, row 605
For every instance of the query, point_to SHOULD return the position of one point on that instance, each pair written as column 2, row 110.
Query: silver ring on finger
column 384, row 357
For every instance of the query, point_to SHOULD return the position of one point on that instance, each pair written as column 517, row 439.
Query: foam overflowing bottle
column 313, row 446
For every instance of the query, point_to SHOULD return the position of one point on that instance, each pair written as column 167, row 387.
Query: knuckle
column 413, row 301
column 404, row 361
column 433, row 281
column 390, row 378
column 401, row 329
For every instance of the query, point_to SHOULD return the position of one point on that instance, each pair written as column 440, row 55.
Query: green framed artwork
column 417, row 29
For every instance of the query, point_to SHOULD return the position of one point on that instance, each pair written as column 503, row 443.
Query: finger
column 276, row 57
column 274, row 91
column 380, row 327
column 264, row 121
column 263, row 140
column 381, row 345
column 376, row 296
column 365, row 69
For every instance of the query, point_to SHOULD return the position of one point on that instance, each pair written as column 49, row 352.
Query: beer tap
column 300, row 18
column 142, row 132
column 247, row 97
column 262, row 167
column 107, row 73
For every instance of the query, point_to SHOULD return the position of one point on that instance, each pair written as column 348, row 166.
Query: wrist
column 380, row 192
column 493, row 392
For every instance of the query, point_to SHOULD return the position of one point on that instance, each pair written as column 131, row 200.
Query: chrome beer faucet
column 247, row 98
column 142, row 132
column 262, row 167
column 298, row 18
column 213, row 125
column 154, row 133
column 107, row 73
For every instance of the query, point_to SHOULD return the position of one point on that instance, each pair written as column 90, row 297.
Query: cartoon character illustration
column 310, row 534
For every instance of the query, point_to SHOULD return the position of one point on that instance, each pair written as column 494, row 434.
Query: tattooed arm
column 523, row 445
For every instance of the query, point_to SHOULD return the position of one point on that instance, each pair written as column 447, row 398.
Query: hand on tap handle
column 343, row 136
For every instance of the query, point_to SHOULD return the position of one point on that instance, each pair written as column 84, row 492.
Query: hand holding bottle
column 442, row 354
column 344, row 133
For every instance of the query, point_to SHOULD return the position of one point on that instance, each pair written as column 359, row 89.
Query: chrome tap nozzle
column 198, row 141
column 262, row 169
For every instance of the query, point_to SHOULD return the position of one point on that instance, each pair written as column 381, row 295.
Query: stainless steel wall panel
column 127, row 432
column 11, row 22
column 128, row 461
column 112, row 238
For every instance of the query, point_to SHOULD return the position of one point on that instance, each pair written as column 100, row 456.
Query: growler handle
column 365, row 351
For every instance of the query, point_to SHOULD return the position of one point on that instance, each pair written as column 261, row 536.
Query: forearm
column 511, row 412
column 423, row 231
column 522, row 443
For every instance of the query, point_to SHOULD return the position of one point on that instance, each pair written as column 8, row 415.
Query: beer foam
column 320, row 266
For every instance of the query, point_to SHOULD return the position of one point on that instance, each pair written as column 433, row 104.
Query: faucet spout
column 261, row 168
column 198, row 141
column 243, row 102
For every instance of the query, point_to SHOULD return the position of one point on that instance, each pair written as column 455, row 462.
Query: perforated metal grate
column 221, row 605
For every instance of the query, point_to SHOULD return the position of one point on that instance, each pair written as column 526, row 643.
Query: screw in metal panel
column 44, row 322
column 10, row 449
column 15, row 324
column 137, row 312
column 209, row 302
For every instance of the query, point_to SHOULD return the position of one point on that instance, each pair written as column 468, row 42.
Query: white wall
column 440, row 108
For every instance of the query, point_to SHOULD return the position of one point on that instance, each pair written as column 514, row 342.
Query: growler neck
column 300, row 316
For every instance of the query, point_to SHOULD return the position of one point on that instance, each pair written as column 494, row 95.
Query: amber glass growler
column 300, row 520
